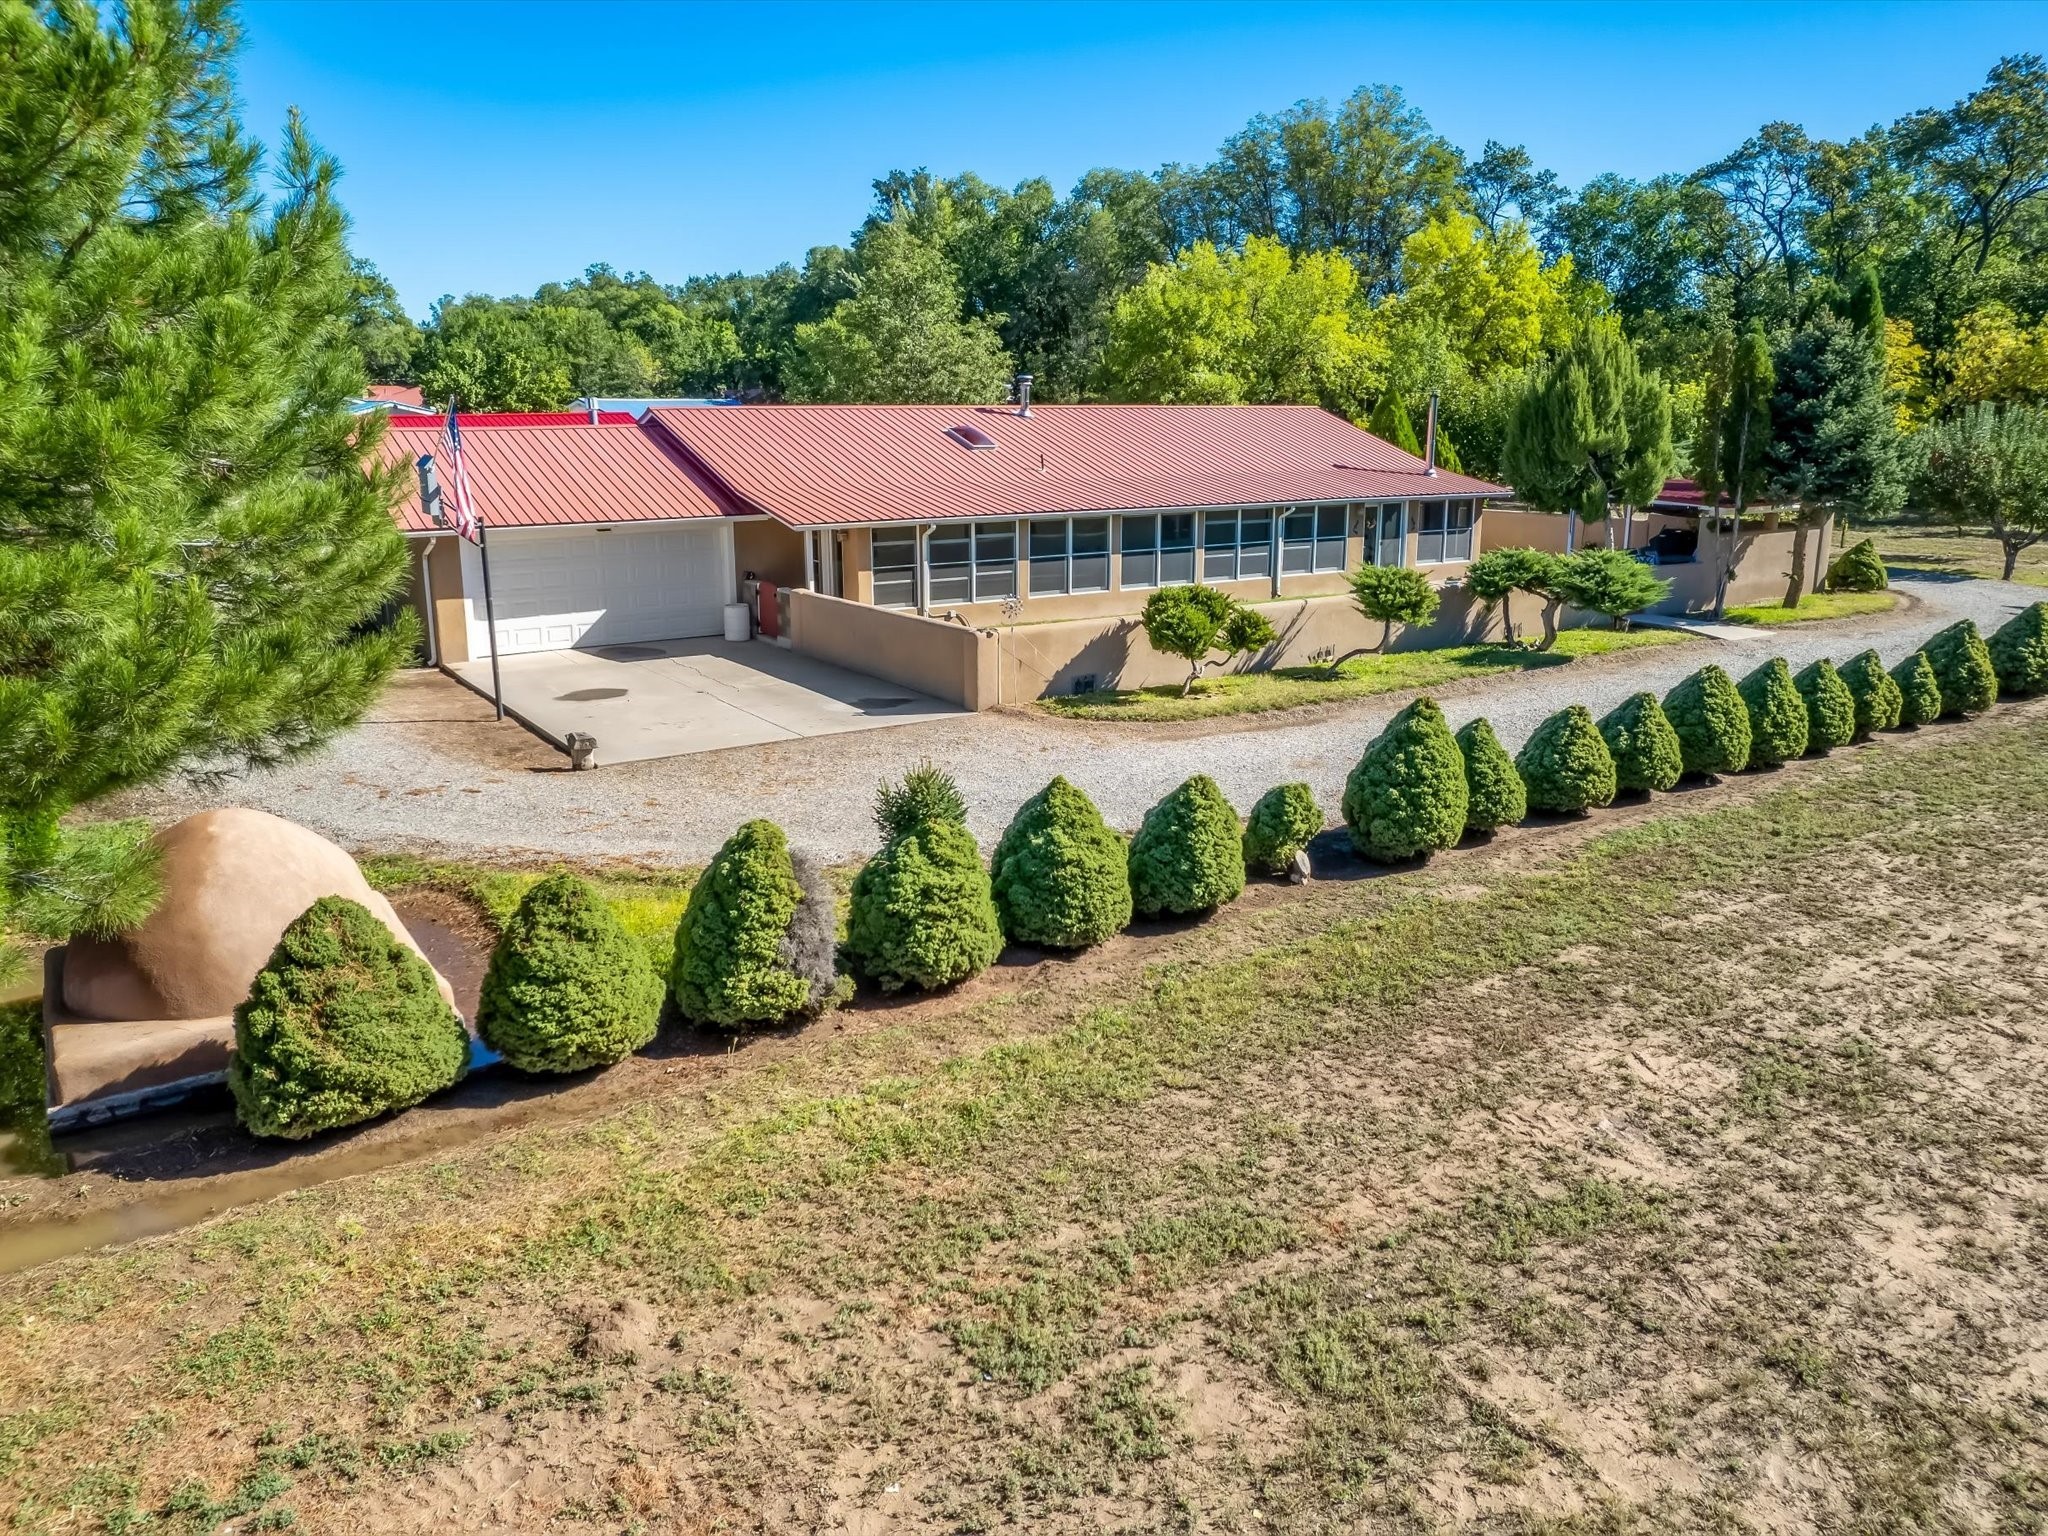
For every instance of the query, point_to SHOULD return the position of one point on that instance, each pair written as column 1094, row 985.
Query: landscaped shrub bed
column 1962, row 669
column 2019, row 652
column 1061, row 875
column 1565, row 763
column 1494, row 793
column 1643, row 744
column 1830, row 707
column 1711, row 722
column 1777, row 715
column 1280, row 826
column 1188, row 855
column 567, row 987
column 1874, row 691
column 742, row 954
column 1407, row 796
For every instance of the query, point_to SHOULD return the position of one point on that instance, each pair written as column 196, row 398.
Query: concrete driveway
column 667, row 698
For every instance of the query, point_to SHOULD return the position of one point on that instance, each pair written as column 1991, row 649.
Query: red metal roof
column 1685, row 496
column 397, row 394
column 820, row 464
column 491, row 420
column 546, row 470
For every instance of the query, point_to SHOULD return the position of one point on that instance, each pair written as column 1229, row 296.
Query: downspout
column 427, row 593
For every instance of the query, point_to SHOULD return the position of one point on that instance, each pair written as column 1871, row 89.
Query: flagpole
column 483, row 550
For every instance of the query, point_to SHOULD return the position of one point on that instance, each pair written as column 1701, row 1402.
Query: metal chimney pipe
column 1023, row 394
column 1429, row 437
column 593, row 408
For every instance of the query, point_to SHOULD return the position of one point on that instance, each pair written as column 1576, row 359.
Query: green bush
column 1859, row 568
column 1059, row 874
column 1407, row 794
column 1711, row 721
column 1494, row 793
column 1566, row 764
column 567, row 988
column 342, row 1024
column 1188, row 855
column 927, row 793
column 1777, row 715
column 1830, row 707
column 1281, row 825
column 747, row 948
column 2019, row 652
column 1610, row 582
column 1875, row 691
column 924, row 914
column 1192, row 622
column 1919, row 691
column 1962, row 669
column 1644, row 746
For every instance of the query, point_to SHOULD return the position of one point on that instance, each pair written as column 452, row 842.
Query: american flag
column 455, row 477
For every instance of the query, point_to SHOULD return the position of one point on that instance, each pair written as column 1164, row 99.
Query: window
column 971, row 562
column 1237, row 545
column 1069, row 555
column 970, row 436
column 1390, row 533
column 1158, row 551
column 1312, row 539
column 1446, row 532
column 893, row 557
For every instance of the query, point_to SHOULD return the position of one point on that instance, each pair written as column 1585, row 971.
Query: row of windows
column 977, row 562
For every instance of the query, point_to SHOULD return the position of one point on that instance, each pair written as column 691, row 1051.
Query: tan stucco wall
column 1514, row 528
column 948, row 661
column 772, row 551
column 448, row 621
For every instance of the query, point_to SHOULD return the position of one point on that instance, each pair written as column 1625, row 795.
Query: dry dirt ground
column 1679, row 1170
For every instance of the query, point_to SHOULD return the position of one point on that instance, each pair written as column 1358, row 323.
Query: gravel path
column 430, row 772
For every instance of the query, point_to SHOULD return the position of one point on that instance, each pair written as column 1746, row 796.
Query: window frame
column 977, row 565
column 1158, row 549
column 1317, row 540
column 875, row 568
column 1450, row 511
column 1262, row 547
column 1067, row 556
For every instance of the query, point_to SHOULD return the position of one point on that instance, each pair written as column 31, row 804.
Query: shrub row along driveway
column 426, row 775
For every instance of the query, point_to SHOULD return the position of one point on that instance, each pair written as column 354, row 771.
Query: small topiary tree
column 1711, row 721
column 2019, row 652
column 1500, row 573
column 1060, row 873
column 1919, row 691
column 1859, row 568
column 748, row 947
column 1281, row 825
column 1962, row 669
column 1494, row 793
column 1830, row 707
column 1565, row 763
column 342, row 1024
column 1610, row 582
column 923, row 912
column 1194, row 622
column 1777, row 715
column 926, row 793
column 1406, row 796
column 1188, row 855
column 568, row 987
column 1645, row 748
column 1875, row 692
column 1390, row 595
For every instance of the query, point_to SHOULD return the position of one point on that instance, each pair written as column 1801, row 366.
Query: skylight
column 968, row 435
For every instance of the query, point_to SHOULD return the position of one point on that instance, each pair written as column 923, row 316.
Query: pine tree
column 1390, row 423
column 190, row 548
column 1593, row 427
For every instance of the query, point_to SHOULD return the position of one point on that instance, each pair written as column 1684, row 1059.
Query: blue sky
column 490, row 146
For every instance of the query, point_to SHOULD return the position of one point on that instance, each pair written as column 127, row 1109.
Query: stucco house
column 850, row 529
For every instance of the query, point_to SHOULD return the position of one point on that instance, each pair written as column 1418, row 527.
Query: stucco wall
column 771, row 551
column 948, row 661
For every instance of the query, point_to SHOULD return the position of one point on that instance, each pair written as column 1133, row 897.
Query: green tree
column 567, row 987
column 382, row 331
column 741, row 955
column 1875, row 691
column 1712, row 722
column 1495, row 796
column 1197, row 623
column 190, row 548
column 1388, row 595
column 1059, row 873
column 1645, row 747
column 1830, row 707
column 1279, row 827
column 1777, row 714
column 1500, row 573
column 922, row 912
column 1987, row 467
column 1745, row 443
column 1504, row 183
column 1963, row 669
column 1593, row 427
column 1391, row 423
column 1610, row 582
column 1919, row 691
column 2019, row 652
column 1188, row 855
column 1406, row 796
column 1566, row 765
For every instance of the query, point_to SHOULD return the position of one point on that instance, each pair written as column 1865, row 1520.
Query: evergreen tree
column 1593, row 427
column 1060, row 873
column 2019, row 652
column 1712, row 722
column 1494, row 793
column 1188, row 855
column 1566, row 764
column 1706, row 446
column 1777, row 714
column 1390, row 423
column 1830, row 707
column 1866, row 306
column 1745, row 441
column 190, row 547
column 1279, row 827
column 1919, row 691
column 1987, row 467
column 1875, row 691
column 568, row 987
column 1962, row 668
column 1407, row 796
column 1645, row 747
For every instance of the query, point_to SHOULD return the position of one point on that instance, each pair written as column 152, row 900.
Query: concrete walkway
column 423, row 784
column 669, row 698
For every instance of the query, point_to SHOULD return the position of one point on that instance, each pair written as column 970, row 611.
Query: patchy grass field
column 1815, row 606
column 1939, row 549
column 1624, row 1177
column 1243, row 693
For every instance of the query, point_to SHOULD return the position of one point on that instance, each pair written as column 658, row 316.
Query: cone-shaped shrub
column 923, row 913
column 1919, row 691
column 1281, row 825
column 567, row 988
column 1188, row 855
column 2019, row 651
column 1962, row 669
column 342, row 1024
column 1060, row 874
column 1875, row 692
column 1566, row 764
column 1494, row 793
column 1830, row 707
column 1859, row 568
column 1643, row 744
column 1777, row 715
column 747, row 946
column 1711, row 721
column 1407, row 794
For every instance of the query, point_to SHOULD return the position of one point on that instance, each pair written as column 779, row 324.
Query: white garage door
column 560, row 587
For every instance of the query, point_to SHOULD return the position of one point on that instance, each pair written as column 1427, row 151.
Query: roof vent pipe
column 1429, row 437
column 1023, row 391
column 593, row 409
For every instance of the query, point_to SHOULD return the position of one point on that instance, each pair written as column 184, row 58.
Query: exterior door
column 557, row 588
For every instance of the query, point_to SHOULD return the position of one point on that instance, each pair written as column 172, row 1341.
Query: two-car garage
column 557, row 588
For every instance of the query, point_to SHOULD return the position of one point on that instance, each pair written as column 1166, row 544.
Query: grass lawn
column 1815, row 606
column 1940, row 549
column 1243, row 693
column 1502, row 1178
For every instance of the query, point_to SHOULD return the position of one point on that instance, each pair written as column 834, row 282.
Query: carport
column 666, row 698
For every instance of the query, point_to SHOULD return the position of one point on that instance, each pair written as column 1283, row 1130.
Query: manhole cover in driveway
column 883, row 703
column 631, row 652
column 589, row 695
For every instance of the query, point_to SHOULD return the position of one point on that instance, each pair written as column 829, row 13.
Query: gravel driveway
column 430, row 772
